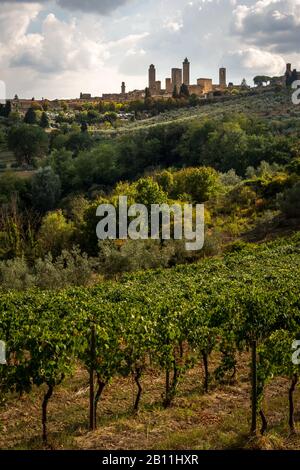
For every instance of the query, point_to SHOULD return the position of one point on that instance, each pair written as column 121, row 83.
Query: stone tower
column 169, row 88
column 123, row 88
column 186, row 72
column 152, row 77
column 222, row 77
column 288, row 75
column 177, row 79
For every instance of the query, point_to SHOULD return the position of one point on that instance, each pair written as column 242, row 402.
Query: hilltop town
column 177, row 85
column 179, row 80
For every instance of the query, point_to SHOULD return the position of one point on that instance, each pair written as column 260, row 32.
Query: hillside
column 269, row 105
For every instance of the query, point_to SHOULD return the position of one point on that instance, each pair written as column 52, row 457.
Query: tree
column 28, row 143
column 148, row 192
column 147, row 93
column 79, row 141
column 44, row 121
column 84, row 127
column 46, row 189
column 55, row 233
column 259, row 80
column 201, row 183
column 184, row 91
column 175, row 94
column 244, row 83
column 7, row 109
column 289, row 201
column 30, row 116
column 193, row 100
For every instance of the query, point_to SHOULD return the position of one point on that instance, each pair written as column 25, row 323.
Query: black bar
column 138, row 459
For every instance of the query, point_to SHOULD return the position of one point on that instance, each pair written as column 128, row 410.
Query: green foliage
column 148, row 192
column 30, row 116
column 28, row 143
column 176, row 317
column 46, row 189
column 44, row 122
column 289, row 201
column 200, row 183
column 55, row 233
column 79, row 141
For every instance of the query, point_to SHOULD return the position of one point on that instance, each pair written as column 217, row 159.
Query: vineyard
column 171, row 320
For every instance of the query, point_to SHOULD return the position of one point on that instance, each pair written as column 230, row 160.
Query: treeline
column 33, row 230
column 82, row 160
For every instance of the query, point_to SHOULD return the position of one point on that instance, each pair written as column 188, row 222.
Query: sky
column 59, row 48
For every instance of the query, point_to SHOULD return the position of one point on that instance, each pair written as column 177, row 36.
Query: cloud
column 47, row 51
column 58, row 47
column 102, row 7
column 272, row 24
column 253, row 61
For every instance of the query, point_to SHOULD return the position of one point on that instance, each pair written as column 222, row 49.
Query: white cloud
column 255, row 61
column 272, row 24
column 95, row 6
column 45, row 50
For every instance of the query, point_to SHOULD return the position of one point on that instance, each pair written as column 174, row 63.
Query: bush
column 55, row 233
column 133, row 255
column 201, row 183
column 289, row 201
column 15, row 274
column 71, row 268
column 46, row 189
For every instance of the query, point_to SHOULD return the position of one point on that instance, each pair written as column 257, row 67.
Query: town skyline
column 57, row 48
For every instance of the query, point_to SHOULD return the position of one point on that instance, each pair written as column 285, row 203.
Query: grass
column 218, row 420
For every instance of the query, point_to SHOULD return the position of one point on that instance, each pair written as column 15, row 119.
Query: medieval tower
column 152, row 77
column 186, row 72
column 222, row 77
column 176, row 79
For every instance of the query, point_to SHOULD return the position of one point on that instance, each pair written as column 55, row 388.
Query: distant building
column 205, row 84
column 179, row 76
column 186, row 72
column 152, row 78
column 85, row 96
column 290, row 75
column 169, row 88
column 157, row 87
column 222, row 77
column 176, row 79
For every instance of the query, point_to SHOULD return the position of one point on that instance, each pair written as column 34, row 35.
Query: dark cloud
column 103, row 7
column 272, row 24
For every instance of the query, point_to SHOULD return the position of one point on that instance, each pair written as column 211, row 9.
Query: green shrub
column 289, row 201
